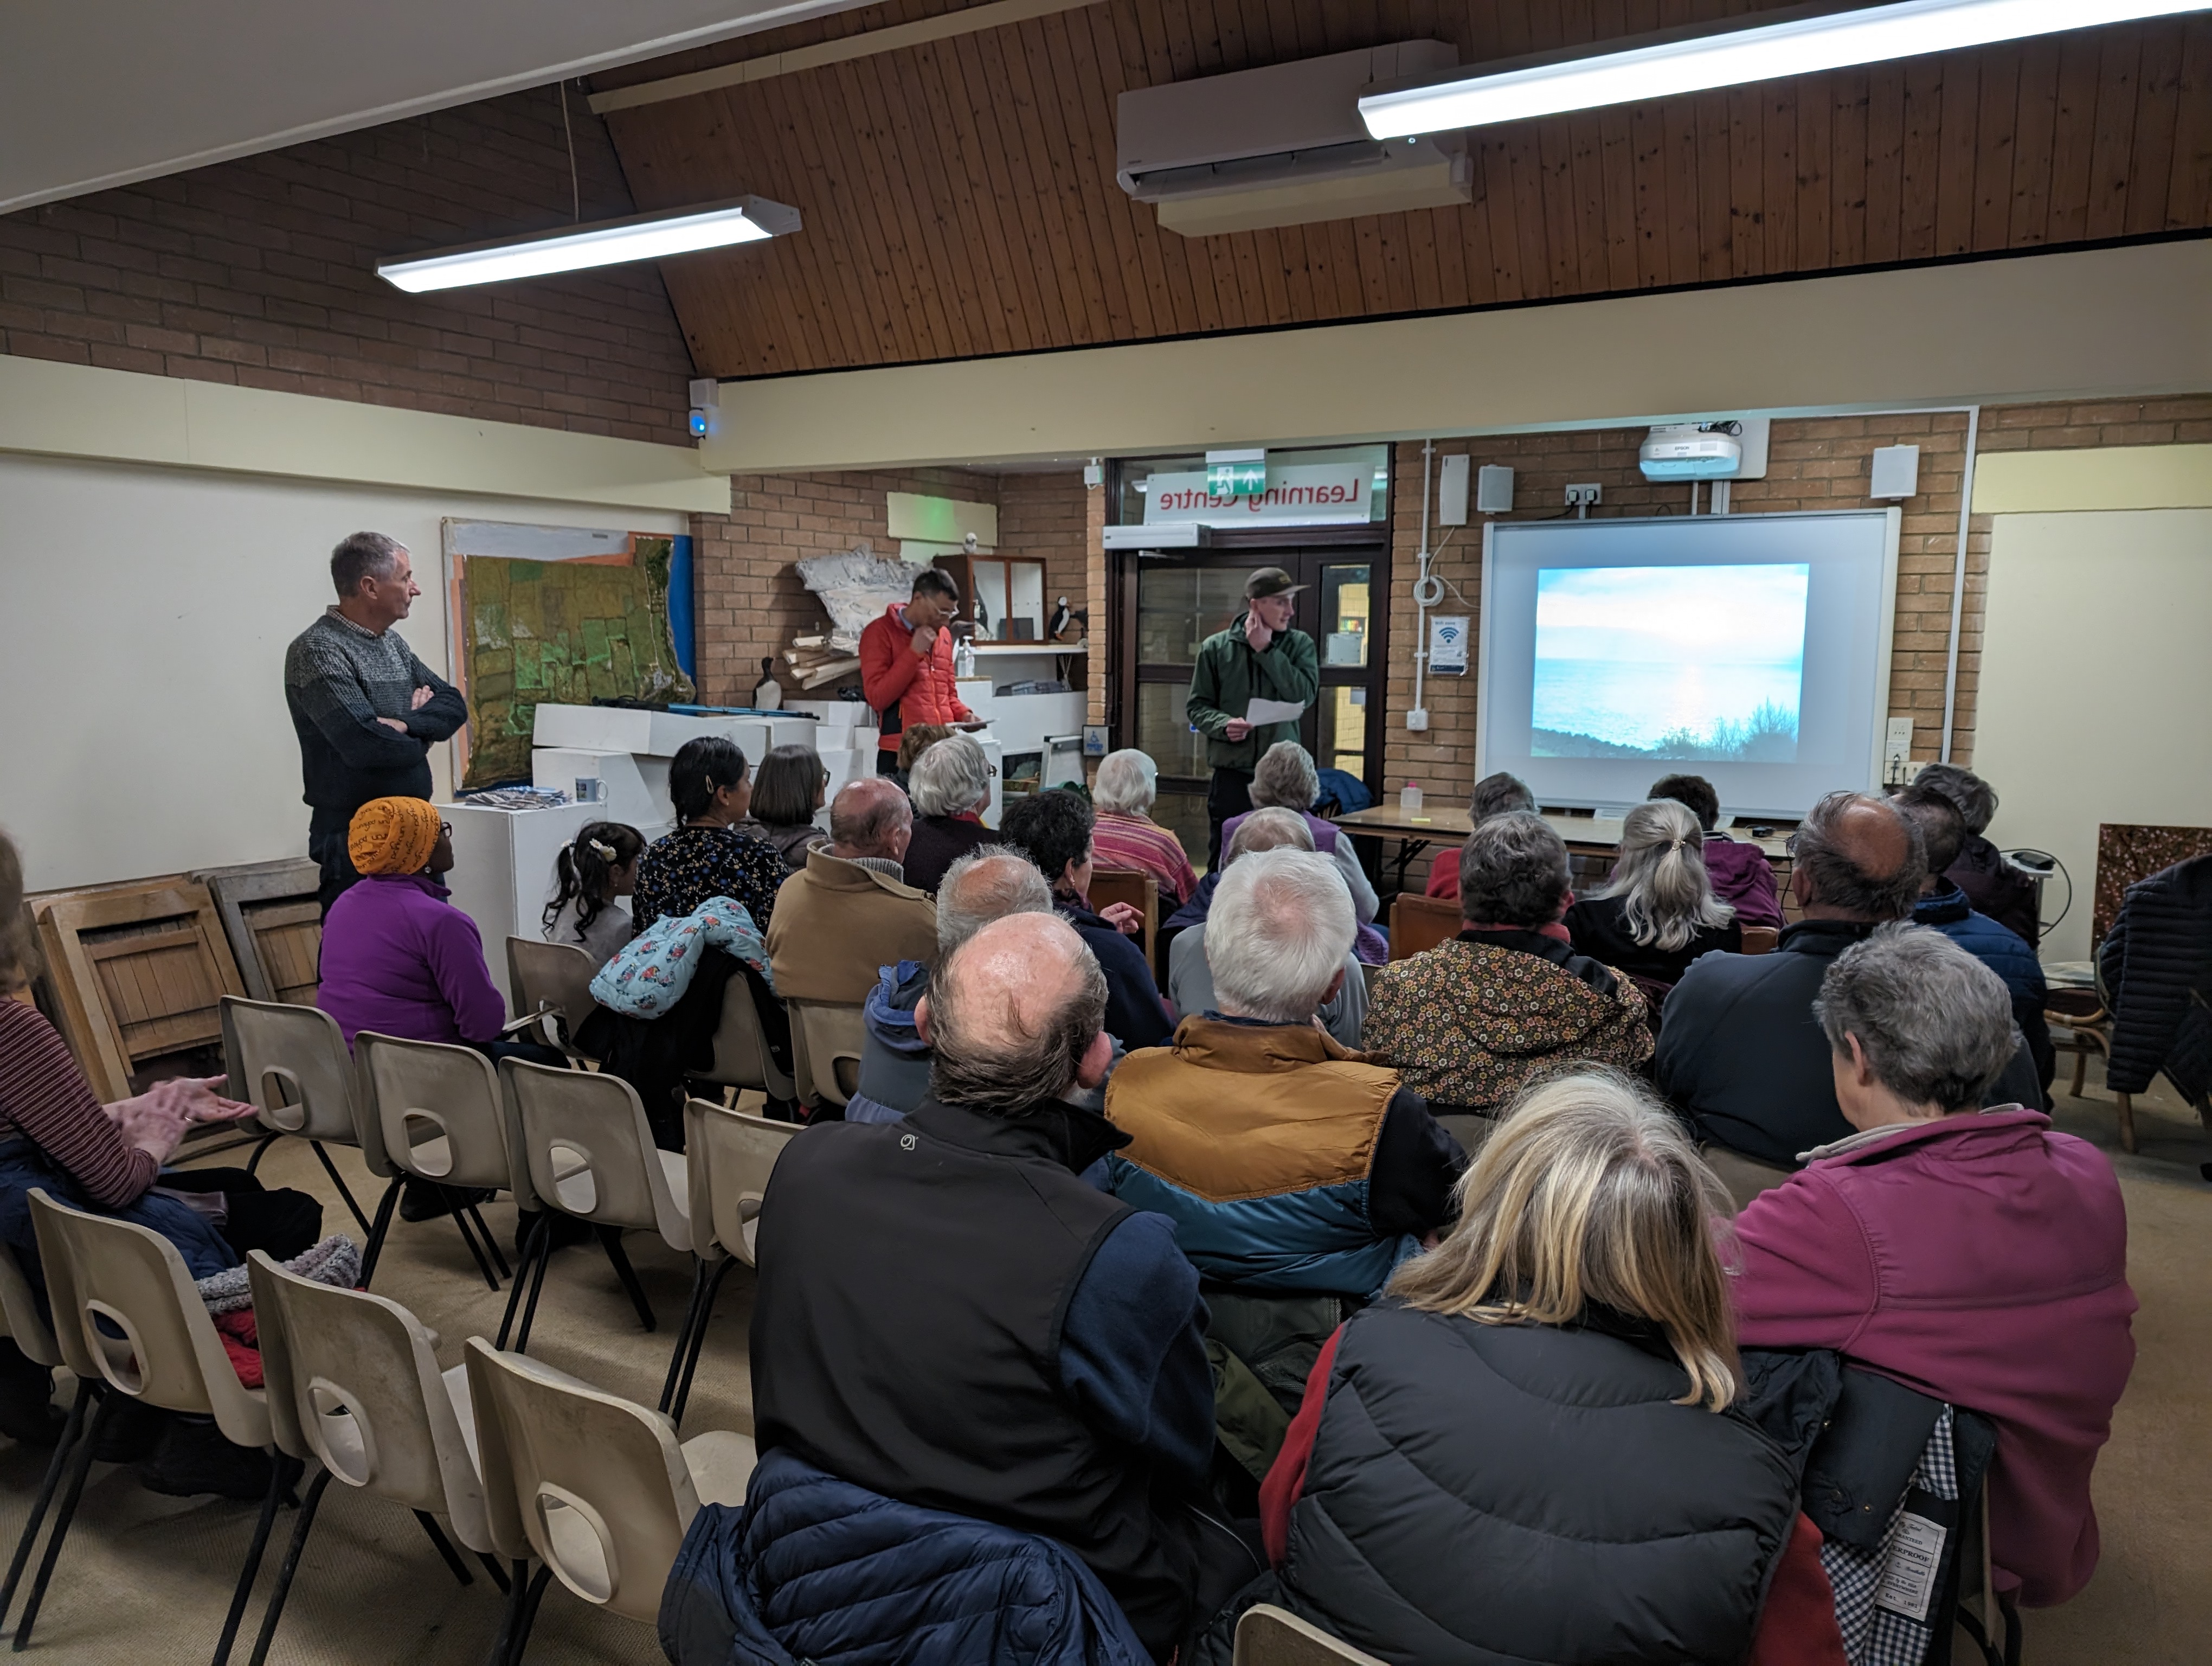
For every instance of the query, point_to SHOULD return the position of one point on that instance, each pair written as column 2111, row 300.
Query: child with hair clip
column 589, row 877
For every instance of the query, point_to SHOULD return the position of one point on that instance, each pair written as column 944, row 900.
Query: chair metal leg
column 610, row 1240
column 282, row 1472
column 699, row 1340
column 80, row 1467
column 521, row 1640
column 338, row 1181
column 54, row 1466
column 275, row 1611
column 491, row 1567
column 538, row 1245
column 517, row 1587
column 260, row 1151
column 536, row 1288
column 386, row 1206
column 491, row 1243
column 699, row 1276
column 437, row 1535
column 468, row 1237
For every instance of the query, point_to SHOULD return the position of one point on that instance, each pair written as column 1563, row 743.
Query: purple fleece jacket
column 1741, row 877
column 400, row 959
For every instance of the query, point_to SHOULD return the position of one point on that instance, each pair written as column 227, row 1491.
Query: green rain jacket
column 1230, row 676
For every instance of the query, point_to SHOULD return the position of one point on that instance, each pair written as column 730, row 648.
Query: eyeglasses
column 445, row 828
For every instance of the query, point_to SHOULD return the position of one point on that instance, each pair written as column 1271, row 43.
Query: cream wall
column 145, row 613
column 2096, row 685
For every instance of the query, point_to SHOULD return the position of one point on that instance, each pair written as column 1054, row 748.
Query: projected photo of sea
column 1698, row 663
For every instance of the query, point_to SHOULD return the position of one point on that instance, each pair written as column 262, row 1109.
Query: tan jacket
column 836, row 923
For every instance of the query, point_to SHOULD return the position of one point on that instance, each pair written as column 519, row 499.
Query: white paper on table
column 1260, row 713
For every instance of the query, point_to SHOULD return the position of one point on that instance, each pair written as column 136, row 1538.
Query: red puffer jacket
column 906, row 687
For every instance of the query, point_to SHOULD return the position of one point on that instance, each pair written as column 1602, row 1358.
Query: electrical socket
column 1418, row 718
column 1897, row 752
column 1588, row 493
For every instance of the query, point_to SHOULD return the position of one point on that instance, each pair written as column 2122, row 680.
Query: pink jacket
column 1981, row 1259
column 1742, row 876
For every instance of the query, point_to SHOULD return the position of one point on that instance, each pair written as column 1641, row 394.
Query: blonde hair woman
column 1657, row 913
column 1528, row 1451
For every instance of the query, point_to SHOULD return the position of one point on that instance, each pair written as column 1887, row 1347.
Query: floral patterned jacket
column 1471, row 1022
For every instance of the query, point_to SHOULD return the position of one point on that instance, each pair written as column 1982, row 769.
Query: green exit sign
column 1237, row 479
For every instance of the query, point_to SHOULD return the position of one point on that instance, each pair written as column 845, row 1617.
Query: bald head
column 871, row 818
column 1013, row 1015
column 986, row 885
column 1857, row 858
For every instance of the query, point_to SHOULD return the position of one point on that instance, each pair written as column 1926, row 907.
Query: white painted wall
column 145, row 613
column 2096, row 685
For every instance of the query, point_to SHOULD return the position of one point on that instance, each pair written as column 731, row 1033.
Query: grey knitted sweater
column 338, row 680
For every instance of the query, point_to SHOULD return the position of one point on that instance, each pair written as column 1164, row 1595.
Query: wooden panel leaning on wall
column 274, row 925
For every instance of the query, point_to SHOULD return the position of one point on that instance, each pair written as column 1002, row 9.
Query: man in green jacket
column 1259, row 657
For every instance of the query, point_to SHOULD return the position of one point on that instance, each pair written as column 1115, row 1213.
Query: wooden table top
column 1449, row 822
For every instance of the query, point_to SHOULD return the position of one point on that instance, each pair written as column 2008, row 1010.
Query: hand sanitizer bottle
column 1409, row 797
column 963, row 657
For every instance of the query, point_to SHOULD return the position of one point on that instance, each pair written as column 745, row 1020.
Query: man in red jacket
column 906, row 664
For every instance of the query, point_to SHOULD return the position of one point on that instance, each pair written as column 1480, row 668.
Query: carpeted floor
column 148, row 1578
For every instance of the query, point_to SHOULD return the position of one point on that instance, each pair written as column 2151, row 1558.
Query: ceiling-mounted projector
column 1691, row 451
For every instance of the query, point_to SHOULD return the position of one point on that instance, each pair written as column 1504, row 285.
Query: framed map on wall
column 570, row 615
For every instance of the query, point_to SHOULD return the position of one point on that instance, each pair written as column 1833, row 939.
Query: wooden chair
column 137, row 972
column 1421, row 922
column 1760, row 940
column 272, row 915
column 1269, row 1636
column 1140, row 891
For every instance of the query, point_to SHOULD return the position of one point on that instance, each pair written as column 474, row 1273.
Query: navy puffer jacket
column 2005, row 953
column 814, row 1569
column 2157, row 962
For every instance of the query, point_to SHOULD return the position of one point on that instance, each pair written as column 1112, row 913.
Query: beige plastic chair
column 541, row 975
column 742, row 1058
column 353, row 1384
column 21, row 1323
column 582, row 1148
column 432, row 1112
column 1269, row 1636
column 826, row 1039
column 106, row 1276
column 728, row 1157
column 291, row 1062
column 598, row 1488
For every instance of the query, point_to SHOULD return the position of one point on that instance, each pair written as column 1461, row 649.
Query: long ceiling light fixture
column 602, row 243
column 1799, row 41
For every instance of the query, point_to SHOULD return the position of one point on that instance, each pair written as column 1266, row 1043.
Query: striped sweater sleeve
column 44, row 1098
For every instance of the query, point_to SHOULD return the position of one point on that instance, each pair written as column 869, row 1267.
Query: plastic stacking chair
column 828, row 1038
column 742, row 1058
column 582, row 1148
column 435, row 1113
column 555, row 976
column 1269, row 1636
column 291, row 1062
column 126, row 1316
column 728, row 1156
column 21, row 1323
column 353, row 1384
column 596, row 1488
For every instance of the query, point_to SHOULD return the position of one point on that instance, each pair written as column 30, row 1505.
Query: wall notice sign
column 1448, row 644
column 1305, row 494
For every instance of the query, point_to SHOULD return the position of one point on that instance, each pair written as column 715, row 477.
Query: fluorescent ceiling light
column 604, row 243
column 1692, row 60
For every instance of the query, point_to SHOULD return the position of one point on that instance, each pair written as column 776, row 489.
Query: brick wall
column 261, row 271
column 1043, row 515
column 2180, row 420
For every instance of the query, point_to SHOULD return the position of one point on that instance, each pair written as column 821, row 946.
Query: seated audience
column 1526, row 1453
column 56, row 1137
column 1126, row 836
column 1740, row 1054
column 947, row 1316
column 591, row 876
column 848, row 913
column 1991, row 884
column 1493, row 795
column 708, row 856
column 1742, row 877
column 1191, row 979
column 1053, row 828
column 1657, row 912
column 788, row 790
column 986, row 885
column 952, row 789
column 1944, row 907
column 2157, row 962
column 1287, row 780
column 1979, row 1258
column 1286, row 1161
column 1473, row 1021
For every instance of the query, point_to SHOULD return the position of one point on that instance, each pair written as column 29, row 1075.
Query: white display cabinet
column 502, row 872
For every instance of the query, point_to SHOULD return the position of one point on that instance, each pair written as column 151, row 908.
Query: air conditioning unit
column 1285, row 145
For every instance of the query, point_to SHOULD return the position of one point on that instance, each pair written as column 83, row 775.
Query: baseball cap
column 1270, row 581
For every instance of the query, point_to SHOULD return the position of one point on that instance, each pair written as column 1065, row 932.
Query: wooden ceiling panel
column 959, row 197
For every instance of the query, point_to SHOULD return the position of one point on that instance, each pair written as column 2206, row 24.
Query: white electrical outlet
column 1418, row 718
column 1897, row 752
column 1583, row 495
